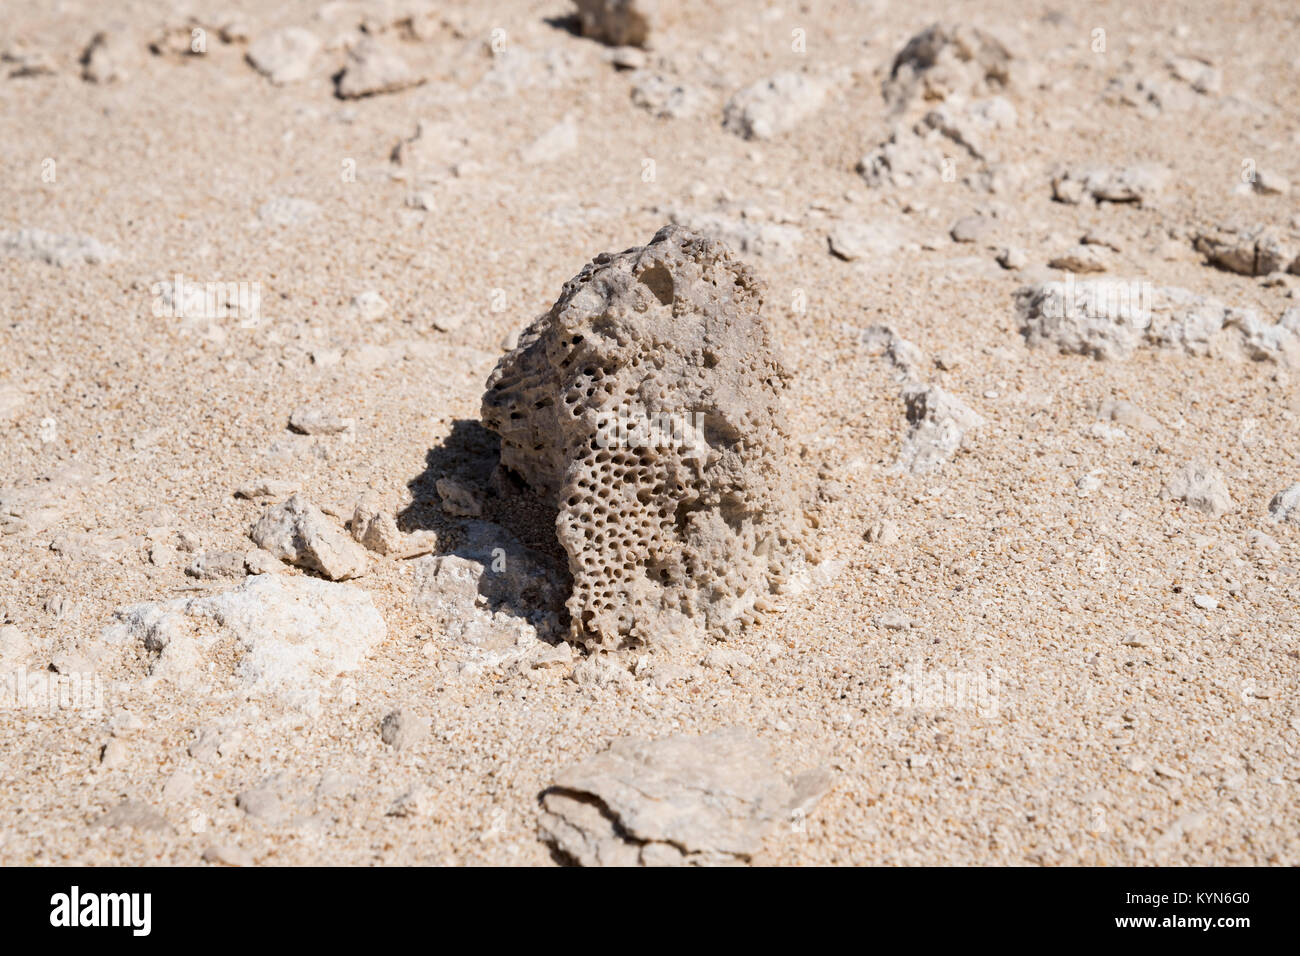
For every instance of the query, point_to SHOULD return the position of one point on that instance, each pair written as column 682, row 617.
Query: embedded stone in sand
column 646, row 405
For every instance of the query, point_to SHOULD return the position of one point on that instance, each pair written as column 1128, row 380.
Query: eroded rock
column 300, row 533
column 646, row 405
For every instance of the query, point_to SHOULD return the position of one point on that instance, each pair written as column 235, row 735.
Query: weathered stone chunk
column 646, row 404
column 674, row 801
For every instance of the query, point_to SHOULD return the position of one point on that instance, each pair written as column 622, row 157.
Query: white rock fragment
column 946, row 59
column 368, row 306
column 54, row 249
column 774, row 106
column 401, row 729
column 269, row 488
column 1285, row 505
column 938, row 423
column 859, row 240
column 15, row 646
column 284, row 56
column 1201, row 75
column 298, row 532
column 1137, row 184
column 293, row 634
column 1205, row 602
column 373, row 68
column 679, row 800
column 1201, row 487
column 747, row 231
column 1269, row 183
column 1254, row 251
column 311, row 420
column 1083, row 259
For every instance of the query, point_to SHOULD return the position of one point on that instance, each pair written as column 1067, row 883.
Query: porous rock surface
column 646, row 405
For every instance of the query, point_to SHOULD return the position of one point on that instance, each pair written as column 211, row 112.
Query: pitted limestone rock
column 646, row 405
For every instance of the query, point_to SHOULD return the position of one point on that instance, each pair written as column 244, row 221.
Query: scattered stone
column 214, row 565
column 268, row 488
column 287, row 211
column 628, row 58
column 368, row 306
column 15, row 646
column 1200, row 75
column 710, row 351
column 1285, row 505
column 401, row 729
column 1205, row 602
column 1081, row 258
column 418, row 801
column 1125, row 413
column 284, row 56
column 109, row 58
column 135, row 815
column 23, row 61
column 894, row 621
column 1136, row 184
column 972, row 126
column 224, row 855
column 971, row 228
column 458, row 499
column 618, row 23
column 293, row 635
column 1256, row 251
column 947, row 58
column 774, row 106
column 883, row 532
column 1013, row 258
column 1201, row 487
column 678, row 800
column 373, row 69
column 56, row 250
column 114, row 754
column 857, row 240
column 309, row 420
column 298, row 532
column 1269, row 183
column 665, row 97
column 263, row 802
column 235, row 30
column 938, row 423
column 375, row 527
column 258, row 561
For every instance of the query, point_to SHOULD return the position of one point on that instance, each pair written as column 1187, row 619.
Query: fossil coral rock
column 646, row 405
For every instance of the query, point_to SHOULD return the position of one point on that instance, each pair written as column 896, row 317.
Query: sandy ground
column 1113, row 720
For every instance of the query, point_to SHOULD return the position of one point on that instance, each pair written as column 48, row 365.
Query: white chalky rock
column 745, row 231
column 57, row 250
column 368, row 305
column 375, row 527
column 862, row 240
column 300, row 533
column 1138, row 183
column 373, row 69
column 774, row 106
column 293, row 635
column 938, row 426
column 557, row 142
column 1285, row 505
column 1201, row 487
column 284, row 56
column 1254, row 251
column 680, row 800
column 310, row 420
